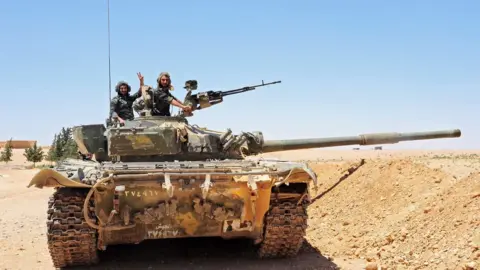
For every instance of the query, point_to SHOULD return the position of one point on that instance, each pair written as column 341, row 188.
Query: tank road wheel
column 70, row 240
column 285, row 227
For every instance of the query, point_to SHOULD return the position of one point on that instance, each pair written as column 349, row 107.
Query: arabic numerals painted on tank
column 141, row 193
column 162, row 231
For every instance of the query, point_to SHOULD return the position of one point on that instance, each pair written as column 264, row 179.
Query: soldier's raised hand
column 140, row 76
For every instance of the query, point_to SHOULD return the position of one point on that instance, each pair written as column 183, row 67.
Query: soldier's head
column 123, row 88
column 164, row 81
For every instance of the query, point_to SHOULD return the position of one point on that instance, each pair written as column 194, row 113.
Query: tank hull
column 127, row 203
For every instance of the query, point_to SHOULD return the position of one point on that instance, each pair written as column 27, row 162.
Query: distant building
column 18, row 144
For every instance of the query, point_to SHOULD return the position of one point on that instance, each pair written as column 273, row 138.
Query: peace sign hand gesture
column 140, row 78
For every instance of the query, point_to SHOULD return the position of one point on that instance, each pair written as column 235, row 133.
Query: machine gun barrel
column 209, row 98
column 245, row 89
column 364, row 139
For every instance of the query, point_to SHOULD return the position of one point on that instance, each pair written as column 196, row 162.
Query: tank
column 161, row 177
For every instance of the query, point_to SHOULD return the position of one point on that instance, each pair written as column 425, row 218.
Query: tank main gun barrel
column 364, row 139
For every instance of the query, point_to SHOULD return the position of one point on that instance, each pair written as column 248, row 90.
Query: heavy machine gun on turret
column 209, row 98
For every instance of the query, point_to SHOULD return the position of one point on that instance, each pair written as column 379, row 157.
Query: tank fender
column 52, row 178
column 301, row 170
column 297, row 172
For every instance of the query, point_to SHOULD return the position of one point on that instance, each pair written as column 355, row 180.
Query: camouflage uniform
column 121, row 105
column 161, row 96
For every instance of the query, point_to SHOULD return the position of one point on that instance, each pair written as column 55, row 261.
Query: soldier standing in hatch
column 121, row 105
column 162, row 97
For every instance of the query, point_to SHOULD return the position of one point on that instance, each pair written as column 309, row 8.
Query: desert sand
column 399, row 210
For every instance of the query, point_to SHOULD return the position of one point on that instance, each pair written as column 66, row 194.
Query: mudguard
column 52, row 178
column 295, row 175
column 298, row 172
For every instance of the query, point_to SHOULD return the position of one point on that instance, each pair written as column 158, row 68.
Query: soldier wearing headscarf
column 121, row 105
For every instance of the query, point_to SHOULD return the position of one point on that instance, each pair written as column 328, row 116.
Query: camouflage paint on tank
column 186, row 213
column 157, row 138
column 89, row 138
column 216, row 198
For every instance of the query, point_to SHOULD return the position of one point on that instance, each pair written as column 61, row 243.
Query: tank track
column 71, row 242
column 285, row 228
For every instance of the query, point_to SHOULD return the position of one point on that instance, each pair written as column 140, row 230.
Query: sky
column 347, row 67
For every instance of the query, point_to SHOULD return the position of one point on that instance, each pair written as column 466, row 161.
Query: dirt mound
column 397, row 213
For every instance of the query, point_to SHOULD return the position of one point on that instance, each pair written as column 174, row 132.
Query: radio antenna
column 109, row 66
